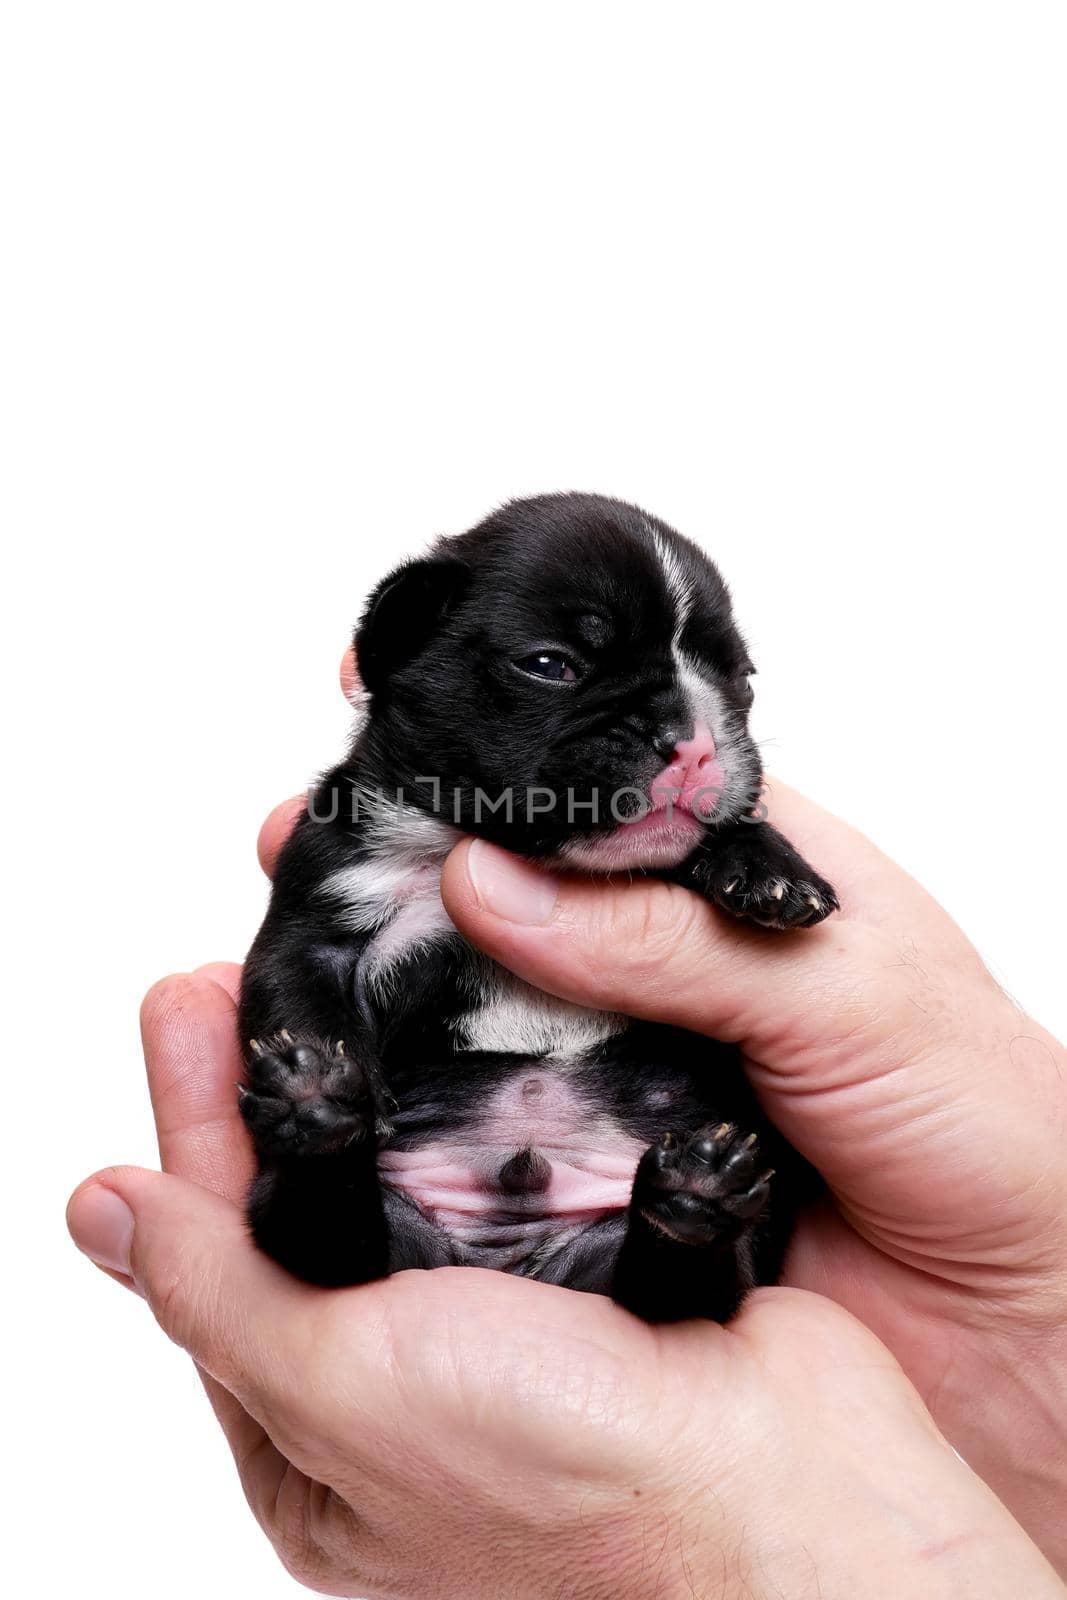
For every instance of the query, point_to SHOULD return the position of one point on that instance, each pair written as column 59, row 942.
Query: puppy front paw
column 773, row 895
column 703, row 1186
column 305, row 1099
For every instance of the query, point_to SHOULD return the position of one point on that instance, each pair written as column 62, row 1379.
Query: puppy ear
column 404, row 613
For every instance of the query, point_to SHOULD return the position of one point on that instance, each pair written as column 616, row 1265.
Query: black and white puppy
column 567, row 680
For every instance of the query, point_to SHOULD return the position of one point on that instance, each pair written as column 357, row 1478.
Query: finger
column 277, row 828
column 351, row 684
column 283, row 819
column 193, row 1060
column 189, row 1028
column 854, row 1043
column 243, row 1320
column 262, row 1467
column 227, row 974
column 652, row 949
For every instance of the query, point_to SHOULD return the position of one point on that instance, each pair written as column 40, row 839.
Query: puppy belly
column 537, row 1162
column 454, row 1185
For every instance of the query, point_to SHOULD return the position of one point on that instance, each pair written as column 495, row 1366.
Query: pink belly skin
column 591, row 1161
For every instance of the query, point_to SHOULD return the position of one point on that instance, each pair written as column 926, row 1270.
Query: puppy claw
column 285, row 1036
column 305, row 1100
column 772, row 900
column 255, row 1047
column 703, row 1186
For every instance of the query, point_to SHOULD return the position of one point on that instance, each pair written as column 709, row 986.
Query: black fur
column 368, row 1074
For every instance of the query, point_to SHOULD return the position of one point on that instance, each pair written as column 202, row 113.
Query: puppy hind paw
column 703, row 1186
column 305, row 1097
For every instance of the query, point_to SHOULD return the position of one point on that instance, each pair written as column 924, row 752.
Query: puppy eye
column 545, row 665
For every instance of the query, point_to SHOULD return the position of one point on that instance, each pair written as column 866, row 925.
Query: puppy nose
column 692, row 769
column 689, row 757
column 668, row 741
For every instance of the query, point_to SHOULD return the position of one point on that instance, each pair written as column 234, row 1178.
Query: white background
column 289, row 289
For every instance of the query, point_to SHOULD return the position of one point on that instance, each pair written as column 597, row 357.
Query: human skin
column 465, row 1435
column 884, row 1050
column 461, row 1433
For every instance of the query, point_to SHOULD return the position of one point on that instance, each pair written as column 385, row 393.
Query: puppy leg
column 316, row 1203
column 688, row 1249
column 313, row 1105
column 753, row 872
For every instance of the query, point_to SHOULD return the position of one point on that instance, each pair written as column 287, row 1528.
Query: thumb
column 187, row 1251
column 858, row 1055
column 654, row 950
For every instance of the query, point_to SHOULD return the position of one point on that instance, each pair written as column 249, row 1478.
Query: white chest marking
column 394, row 892
column 514, row 1017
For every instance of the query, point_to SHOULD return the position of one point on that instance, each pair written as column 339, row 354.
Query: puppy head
column 567, row 679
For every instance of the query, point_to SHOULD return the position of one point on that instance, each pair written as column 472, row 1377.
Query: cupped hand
column 466, row 1434
column 884, row 1050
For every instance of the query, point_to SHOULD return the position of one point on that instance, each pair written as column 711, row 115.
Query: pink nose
column 692, row 767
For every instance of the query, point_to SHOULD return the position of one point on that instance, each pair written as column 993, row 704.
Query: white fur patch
column 394, row 893
column 513, row 1016
column 704, row 698
column 679, row 585
column 706, row 703
column 396, row 888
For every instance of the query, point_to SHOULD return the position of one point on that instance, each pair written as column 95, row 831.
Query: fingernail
column 509, row 887
column 101, row 1225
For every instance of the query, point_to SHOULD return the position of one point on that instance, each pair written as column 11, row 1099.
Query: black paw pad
column 773, row 899
column 304, row 1098
column 702, row 1186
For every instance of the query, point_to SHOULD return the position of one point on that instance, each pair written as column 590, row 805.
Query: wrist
column 1004, row 1407
column 860, row 1499
column 920, row 1525
column 944, row 1538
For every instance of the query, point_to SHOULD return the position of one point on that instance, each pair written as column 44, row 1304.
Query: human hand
column 882, row 1048
column 193, row 1058
column 463, row 1433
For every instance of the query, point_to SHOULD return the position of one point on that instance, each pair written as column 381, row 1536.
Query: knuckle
column 305, row 1566
column 183, row 1297
column 316, row 1535
column 169, row 1296
column 821, row 1334
column 646, row 932
column 167, row 1290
